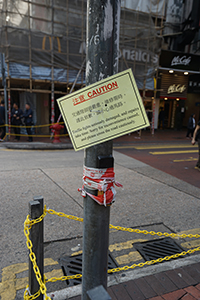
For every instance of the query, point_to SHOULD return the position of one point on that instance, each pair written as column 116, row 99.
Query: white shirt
column 193, row 122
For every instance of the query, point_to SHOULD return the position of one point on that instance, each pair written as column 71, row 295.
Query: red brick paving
column 174, row 295
column 188, row 297
column 120, row 292
column 176, row 278
column 160, row 286
column 193, row 291
column 157, row 298
column 145, row 287
column 198, row 286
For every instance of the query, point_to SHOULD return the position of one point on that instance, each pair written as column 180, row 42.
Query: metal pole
column 5, row 91
column 9, row 110
column 36, row 236
column 102, row 48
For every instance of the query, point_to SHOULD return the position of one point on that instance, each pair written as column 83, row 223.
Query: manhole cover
column 158, row 248
column 73, row 265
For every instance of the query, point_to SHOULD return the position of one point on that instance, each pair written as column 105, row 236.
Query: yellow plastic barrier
column 32, row 126
column 34, row 135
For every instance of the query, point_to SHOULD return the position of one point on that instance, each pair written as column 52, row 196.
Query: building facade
column 44, row 43
column 179, row 64
column 44, row 46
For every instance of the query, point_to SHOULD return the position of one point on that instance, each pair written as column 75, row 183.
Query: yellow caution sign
column 103, row 111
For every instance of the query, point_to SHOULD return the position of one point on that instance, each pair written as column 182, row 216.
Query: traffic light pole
column 102, row 51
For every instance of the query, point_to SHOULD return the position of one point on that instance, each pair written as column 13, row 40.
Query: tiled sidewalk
column 182, row 283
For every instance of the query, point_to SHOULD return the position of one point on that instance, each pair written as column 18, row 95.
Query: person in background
column 191, row 126
column 28, row 120
column 196, row 138
column 2, row 121
column 162, row 118
column 149, row 115
column 16, row 116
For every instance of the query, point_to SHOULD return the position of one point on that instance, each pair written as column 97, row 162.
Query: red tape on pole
column 102, row 180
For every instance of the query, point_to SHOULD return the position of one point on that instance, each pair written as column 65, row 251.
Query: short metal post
column 98, row 293
column 36, row 236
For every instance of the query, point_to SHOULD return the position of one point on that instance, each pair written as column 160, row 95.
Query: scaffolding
column 44, row 42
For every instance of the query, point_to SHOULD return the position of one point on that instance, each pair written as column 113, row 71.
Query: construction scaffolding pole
column 74, row 83
column 52, row 65
column 102, row 45
column 5, row 91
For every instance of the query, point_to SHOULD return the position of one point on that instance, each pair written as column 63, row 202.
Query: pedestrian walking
column 196, row 138
column 28, row 120
column 2, row 121
column 191, row 126
column 16, row 120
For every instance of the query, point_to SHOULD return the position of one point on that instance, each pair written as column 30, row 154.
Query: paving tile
column 198, row 286
column 133, row 290
column 188, row 297
column 176, row 295
column 166, row 282
column 193, row 270
column 177, row 279
column 156, row 285
column 156, row 298
column 193, row 291
column 186, row 277
column 120, row 292
column 145, row 288
column 112, row 295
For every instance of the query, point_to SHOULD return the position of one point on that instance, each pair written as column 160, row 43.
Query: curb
column 74, row 291
column 37, row 146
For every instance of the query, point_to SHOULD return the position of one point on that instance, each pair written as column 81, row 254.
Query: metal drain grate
column 158, row 248
column 73, row 265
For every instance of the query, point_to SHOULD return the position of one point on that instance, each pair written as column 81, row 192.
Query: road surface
column 176, row 159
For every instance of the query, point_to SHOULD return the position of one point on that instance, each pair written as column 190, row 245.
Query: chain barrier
column 27, row 295
column 63, row 215
column 153, row 261
column 29, row 223
column 166, row 234
column 27, row 226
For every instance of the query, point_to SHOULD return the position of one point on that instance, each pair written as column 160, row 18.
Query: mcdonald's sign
column 49, row 44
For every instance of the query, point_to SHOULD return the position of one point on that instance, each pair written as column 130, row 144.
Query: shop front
column 193, row 96
column 173, row 95
column 177, row 81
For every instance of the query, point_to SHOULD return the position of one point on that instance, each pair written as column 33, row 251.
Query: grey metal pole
column 3, row 72
column 102, row 48
column 36, row 236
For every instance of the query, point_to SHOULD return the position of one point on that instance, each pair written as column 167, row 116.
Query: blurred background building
column 44, row 46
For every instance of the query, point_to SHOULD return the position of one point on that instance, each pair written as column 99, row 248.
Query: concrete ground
column 149, row 197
